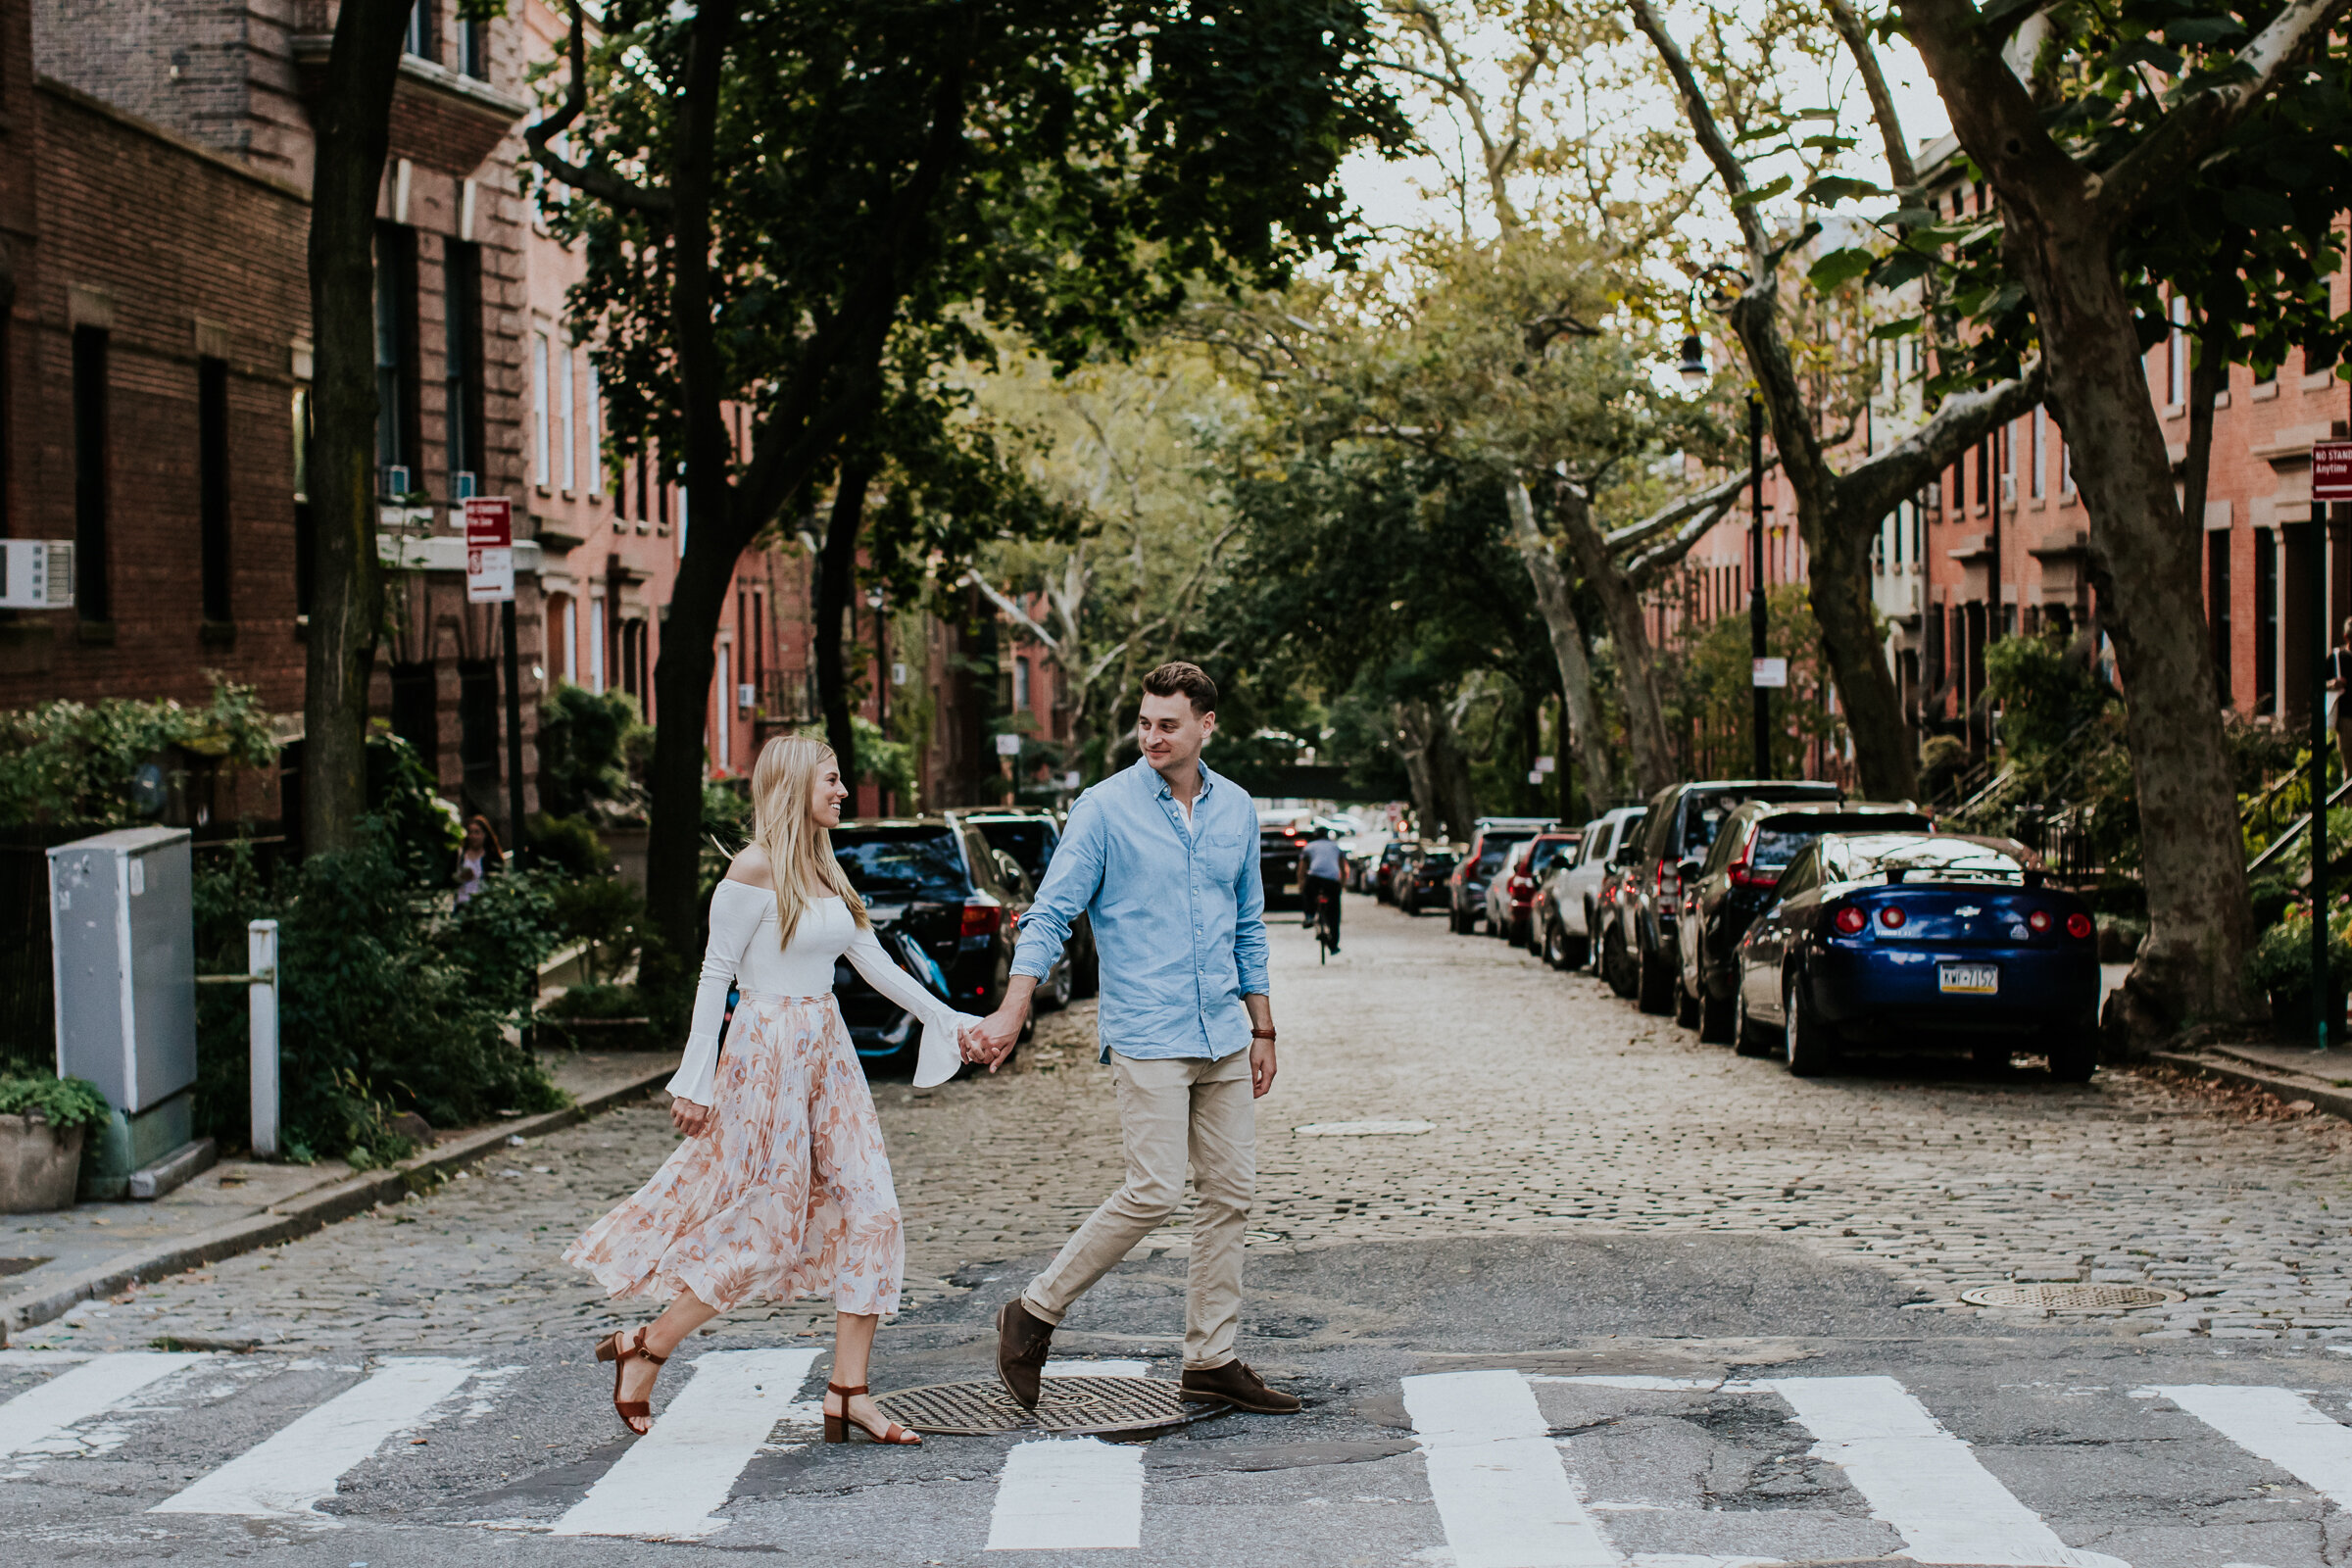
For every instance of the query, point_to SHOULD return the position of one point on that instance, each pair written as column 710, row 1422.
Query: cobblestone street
column 1554, row 1108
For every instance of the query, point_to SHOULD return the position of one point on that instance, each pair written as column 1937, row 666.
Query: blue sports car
column 1891, row 940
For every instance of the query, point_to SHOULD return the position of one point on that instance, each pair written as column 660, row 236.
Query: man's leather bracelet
column 1261, row 1034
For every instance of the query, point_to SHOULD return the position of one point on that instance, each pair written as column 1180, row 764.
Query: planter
column 2290, row 1016
column 38, row 1165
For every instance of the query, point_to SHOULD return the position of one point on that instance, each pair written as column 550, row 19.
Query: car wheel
column 1808, row 1046
column 1555, row 945
column 1685, row 1006
column 1714, row 1017
column 1615, row 967
column 1657, row 984
column 1750, row 1037
column 2074, row 1056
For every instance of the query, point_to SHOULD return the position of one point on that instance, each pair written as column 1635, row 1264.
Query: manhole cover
column 1076, row 1406
column 2070, row 1298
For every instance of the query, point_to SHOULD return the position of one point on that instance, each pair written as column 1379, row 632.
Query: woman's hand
column 689, row 1118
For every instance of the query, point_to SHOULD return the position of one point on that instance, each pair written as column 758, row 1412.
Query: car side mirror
column 1688, row 869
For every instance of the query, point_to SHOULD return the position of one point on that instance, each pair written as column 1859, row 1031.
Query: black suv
column 945, row 907
column 1031, row 838
column 1680, row 825
column 1723, row 894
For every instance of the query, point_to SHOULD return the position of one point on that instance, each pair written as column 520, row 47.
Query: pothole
column 2070, row 1298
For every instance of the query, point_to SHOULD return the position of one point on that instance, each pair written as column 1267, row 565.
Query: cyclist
column 1320, row 869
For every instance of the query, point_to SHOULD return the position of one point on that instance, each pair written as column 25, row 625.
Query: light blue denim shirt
column 1178, row 917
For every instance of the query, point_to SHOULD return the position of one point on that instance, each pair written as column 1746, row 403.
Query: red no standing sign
column 489, row 549
column 2331, row 470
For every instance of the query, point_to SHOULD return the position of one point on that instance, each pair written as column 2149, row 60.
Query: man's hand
column 1261, row 1067
column 994, row 1036
column 688, row 1117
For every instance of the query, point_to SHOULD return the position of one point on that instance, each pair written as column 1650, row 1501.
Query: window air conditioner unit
column 747, row 696
column 37, row 573
column 2008, row 489
column 461, row 486
column 396, row 479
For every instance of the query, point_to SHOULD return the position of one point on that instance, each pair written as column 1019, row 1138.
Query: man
column 1321, row 870
column 1163, row 858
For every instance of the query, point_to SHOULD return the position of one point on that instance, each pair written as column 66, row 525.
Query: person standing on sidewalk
column 781, row 1188
column 1162, row 857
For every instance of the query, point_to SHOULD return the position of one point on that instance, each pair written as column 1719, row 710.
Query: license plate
column 1968, row 979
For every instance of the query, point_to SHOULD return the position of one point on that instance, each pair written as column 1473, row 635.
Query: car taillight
column 2078, row 926
column 1892, row 917
column 1744, row 876
column 2039, row 921
column 982, row 919
column 1658, row 879
column 1852, row 920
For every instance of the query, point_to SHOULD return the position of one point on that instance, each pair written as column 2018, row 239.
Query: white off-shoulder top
column 745, row 950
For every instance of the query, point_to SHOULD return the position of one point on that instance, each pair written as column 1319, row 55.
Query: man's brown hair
column 1178, row 678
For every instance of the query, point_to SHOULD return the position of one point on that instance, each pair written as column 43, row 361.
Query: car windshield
column 1934, row 858
column 1439, row 859
column 1494, row 847
column 1029, row 842
column 1549, row 852
column 1777, row 839
column 907, row 861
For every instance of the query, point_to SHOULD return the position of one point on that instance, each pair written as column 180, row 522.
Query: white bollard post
column 261, row 962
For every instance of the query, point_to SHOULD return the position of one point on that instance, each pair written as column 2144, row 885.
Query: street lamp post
column 1756, row 614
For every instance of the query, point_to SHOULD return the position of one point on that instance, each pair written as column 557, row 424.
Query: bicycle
column 1327, row 923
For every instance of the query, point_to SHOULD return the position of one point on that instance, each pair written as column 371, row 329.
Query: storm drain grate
column 2070, row 1298
column 1073, row 1406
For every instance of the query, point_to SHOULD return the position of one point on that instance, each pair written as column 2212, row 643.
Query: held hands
column 688, row 1117
column 991, row 1040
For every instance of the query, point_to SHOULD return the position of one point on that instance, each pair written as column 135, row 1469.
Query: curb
column 305, row 1213
column 2335, row 1101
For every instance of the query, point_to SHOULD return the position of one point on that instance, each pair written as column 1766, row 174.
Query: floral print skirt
column 786, row 1194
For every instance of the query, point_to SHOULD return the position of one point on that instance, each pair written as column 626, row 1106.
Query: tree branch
column 1872, row 490
column 1632, row 536
column 593, row 180
column 1013, row 612
column 1901, row 173
column 1703, row 129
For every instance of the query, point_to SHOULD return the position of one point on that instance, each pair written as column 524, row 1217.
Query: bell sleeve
column 736, row 911
column 939, row 1054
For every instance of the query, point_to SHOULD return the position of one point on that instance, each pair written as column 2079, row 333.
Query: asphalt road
column 1629, row 1301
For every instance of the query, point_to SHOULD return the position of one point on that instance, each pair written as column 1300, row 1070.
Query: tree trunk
column 1838, row 574
column 346, row 604
column 1449, row 775
column 836, row 581
column 2145, row 562
column 1629, row 633
column 1567, row 642
column 1415, row 724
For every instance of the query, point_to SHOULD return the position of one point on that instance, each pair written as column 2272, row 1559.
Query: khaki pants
column 1169, row 1108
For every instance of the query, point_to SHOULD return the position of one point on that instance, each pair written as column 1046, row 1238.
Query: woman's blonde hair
column 800, row 854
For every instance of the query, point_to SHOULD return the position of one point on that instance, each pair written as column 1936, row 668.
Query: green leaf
column 2252, row 206
column 1831, row 189
column 1887, row 332
column 1901, row 268
column 1765, row 193
column 1829, row 144
column 1841, row 267
column 2202, row 30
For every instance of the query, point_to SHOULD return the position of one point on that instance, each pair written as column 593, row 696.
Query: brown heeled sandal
column 837, row 1426
column 610, row 1349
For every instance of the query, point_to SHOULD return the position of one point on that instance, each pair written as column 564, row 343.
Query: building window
column 418, row 40
column 473, row 50
column 396, row 358
column 461, row 354
column 563, row 430
column 2217, row 609
column 416, row 711
column 91, row 581
column 211, row 484
column 596, row 649
column 2176, row 356
column 1020, row 685
column 542, row 442
column 478, row 731
column 568, row 635
column 2266, row 620
column 2066, row 467
column 2041, row 447
column 306, row 541
column 2005, row 437
column 594, row 409
column 726, row 707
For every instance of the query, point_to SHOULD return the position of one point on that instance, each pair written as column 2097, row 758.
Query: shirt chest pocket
column 1220, row 854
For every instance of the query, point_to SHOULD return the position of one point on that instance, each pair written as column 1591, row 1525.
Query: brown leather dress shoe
column 1236, row 1385
column 1022, row 1340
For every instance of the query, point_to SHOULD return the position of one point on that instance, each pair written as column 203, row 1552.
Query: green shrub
column 607, row 913
column 2282, row 959
column 63, row 1103
column 589, row 750
column 566, row 844
column 601, row 1005
column 78, row 762
column 419, row 830
column 389, row 1000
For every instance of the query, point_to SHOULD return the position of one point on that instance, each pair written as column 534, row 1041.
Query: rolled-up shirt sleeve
column 937, row 1055
column 736, row 910
column 1250, row 922
column 1072, row 883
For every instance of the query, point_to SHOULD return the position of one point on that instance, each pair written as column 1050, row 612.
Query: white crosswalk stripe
column 1068, row 1494
column 74, row 1396
column 1921, row 1479
column 1496, row 1476
column 289, row 1474
column 669, row 1483
column 2277, row 1425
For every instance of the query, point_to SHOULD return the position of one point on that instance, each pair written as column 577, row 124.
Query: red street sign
column 489, row 523
column 489, row 549
column 2331, row 470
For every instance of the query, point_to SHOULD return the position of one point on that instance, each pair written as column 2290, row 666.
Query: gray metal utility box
column 122, row 926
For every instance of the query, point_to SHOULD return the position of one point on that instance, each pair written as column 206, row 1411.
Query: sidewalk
column 50, row 1261
column 2292, row 1072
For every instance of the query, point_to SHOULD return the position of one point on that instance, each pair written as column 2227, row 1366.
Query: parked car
column 1617, row 878
column 1570, row 897
column 1681, row 824
column 1737, row 881
column 1282, row 837
column 1895, row 939
column 1382, row 874
column 944, row 904
column 1490, row 838
column 1425, row 877
column 1030, row 837
column 1511, row 897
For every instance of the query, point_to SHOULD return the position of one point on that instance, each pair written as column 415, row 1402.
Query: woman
column 477, row 858
column 780, row 1189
